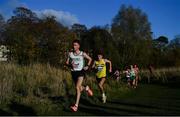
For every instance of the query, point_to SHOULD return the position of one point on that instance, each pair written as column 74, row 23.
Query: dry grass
column 163, row 75
column 34, row 80
column 33, row 85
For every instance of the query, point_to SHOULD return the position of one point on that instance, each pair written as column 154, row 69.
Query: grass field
column 44, row 90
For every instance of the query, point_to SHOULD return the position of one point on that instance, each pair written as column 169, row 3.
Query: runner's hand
column 86, row 68
column 110, row 70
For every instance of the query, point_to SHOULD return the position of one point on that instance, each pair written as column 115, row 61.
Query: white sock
column 103, row 95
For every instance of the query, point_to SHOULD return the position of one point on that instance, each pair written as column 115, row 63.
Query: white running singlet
column 77, row 61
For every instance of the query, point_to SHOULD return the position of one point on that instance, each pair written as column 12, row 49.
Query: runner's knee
column 100, row 85
column 78, row 88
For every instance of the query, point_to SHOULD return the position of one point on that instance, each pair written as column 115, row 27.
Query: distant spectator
column 117, row 74
column 132, row 77
column 136, row 69
column 127, row 72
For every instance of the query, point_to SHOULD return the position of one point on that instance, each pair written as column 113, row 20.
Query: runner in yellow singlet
column 100, row 66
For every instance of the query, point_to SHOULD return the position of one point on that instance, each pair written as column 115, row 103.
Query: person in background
column 127, row 73
column 117, row 74
column 136, row 69
column 132, row 76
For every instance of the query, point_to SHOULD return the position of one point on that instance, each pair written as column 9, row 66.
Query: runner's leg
column 79, row 88
column 101, row 83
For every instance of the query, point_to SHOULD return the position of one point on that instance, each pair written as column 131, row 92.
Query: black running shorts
column 77, row 74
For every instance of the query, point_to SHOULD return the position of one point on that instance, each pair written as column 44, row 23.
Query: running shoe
column 74, row 108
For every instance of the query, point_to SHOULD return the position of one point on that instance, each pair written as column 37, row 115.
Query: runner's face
column 99, row 57
column 76, row 46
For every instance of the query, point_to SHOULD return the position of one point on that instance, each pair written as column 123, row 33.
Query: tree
column 166, row 54
column 20, row 36
column 98, row 39
column 54, row 41
column 2, row 22
column 37, row 40
column 175, row 43
column 162, row 39
column 80, row 30
column 131, row 31
column 161, row 43
column 24, row 13
column 2, row 28
column 173, row 54
column 132, row 23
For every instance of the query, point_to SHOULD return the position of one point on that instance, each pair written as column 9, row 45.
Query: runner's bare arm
column 67, row 61
column 110, row 64
column 89, row 60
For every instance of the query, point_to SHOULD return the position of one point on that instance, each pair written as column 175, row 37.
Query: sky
column 164, row 15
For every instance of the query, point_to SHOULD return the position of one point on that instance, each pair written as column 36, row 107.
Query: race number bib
column 99, row 68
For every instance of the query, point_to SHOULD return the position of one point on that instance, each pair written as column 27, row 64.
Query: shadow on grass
column 65, row 101
column 130, row 104
column 21, row 109
column 141, row 105
column 173, row 83
column 107, row 109
column 89, row 106
column 4, row 113
column 57, row 99
column 96, row 111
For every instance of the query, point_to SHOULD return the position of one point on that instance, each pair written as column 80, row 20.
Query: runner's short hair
column 100, row 52
column 76, row 41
